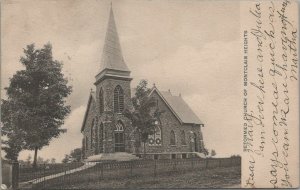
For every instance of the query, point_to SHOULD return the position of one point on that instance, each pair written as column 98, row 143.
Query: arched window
column 92, row 133
column 100, row 137
column 183, row 141
column 201, row 145
column 119, row 137
column 172, row 138
column 83, row 144
column 194, row 140
column 101, row 101
column 96, row 136
column 155, row 138
column 119, row 127
column 101, row 131
column 83, row 148
column 118, row 100
column 87, row 143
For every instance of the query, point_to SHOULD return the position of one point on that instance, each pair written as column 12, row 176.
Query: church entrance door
column 119, row 138
column 119, row 142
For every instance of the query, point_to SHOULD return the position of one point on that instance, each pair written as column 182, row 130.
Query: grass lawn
column 208, row 178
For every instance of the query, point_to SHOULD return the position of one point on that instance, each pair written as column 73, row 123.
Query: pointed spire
column 112, row 57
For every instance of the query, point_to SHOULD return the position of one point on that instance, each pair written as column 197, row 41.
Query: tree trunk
column 35, row 157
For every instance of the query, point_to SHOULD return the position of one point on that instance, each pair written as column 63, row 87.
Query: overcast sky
column 190, row 47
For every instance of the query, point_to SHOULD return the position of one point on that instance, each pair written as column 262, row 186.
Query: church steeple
column 112, row 61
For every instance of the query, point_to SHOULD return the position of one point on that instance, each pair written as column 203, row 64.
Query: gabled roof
column 91, row 97
column 112, row 57
column 179, row 107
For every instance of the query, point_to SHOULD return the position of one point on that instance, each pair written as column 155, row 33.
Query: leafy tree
column 47, row 161
column 53, row 161
column 12, row 136
column 28, row 160
column 22, row 162
column 66, row 159
column 13, row 146
column 205, row 151
column 40, row 160
column 75, row 155
column 213, row 153
column 35, row 109
column 142, row 115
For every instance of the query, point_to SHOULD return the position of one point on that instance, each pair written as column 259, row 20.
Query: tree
column 66, row 159
column 75, row 155
column 12, row 136
column 40, row 160
column 205, row 151
column 47, row 161
column 53, row 161
column 22, row 162
column 213, row 153
column 35, row 109
column 13, row 146
column 142, row 116
column 28, row 160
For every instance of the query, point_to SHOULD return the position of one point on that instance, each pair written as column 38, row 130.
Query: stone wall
column 87, row 128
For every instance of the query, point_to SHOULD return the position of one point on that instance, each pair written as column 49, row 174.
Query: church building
column 108, row 134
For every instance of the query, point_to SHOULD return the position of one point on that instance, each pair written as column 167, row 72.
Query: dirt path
column 41, row 179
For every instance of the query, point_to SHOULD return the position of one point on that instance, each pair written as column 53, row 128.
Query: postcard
column 100, row 94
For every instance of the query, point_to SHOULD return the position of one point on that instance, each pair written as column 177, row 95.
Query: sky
column 190, row 47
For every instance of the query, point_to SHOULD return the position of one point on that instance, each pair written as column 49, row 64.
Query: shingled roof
column 112, row 57
column 179, row 107
column 91, row 97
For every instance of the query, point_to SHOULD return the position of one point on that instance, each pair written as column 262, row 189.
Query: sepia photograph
column 101, row 94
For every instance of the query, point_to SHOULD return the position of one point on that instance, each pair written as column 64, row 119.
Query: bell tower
column 113, row 92
column 114, row 75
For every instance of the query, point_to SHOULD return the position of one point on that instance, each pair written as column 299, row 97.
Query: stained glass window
column 172, row 138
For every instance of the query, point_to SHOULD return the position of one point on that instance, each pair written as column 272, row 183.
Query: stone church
column 108, row 135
